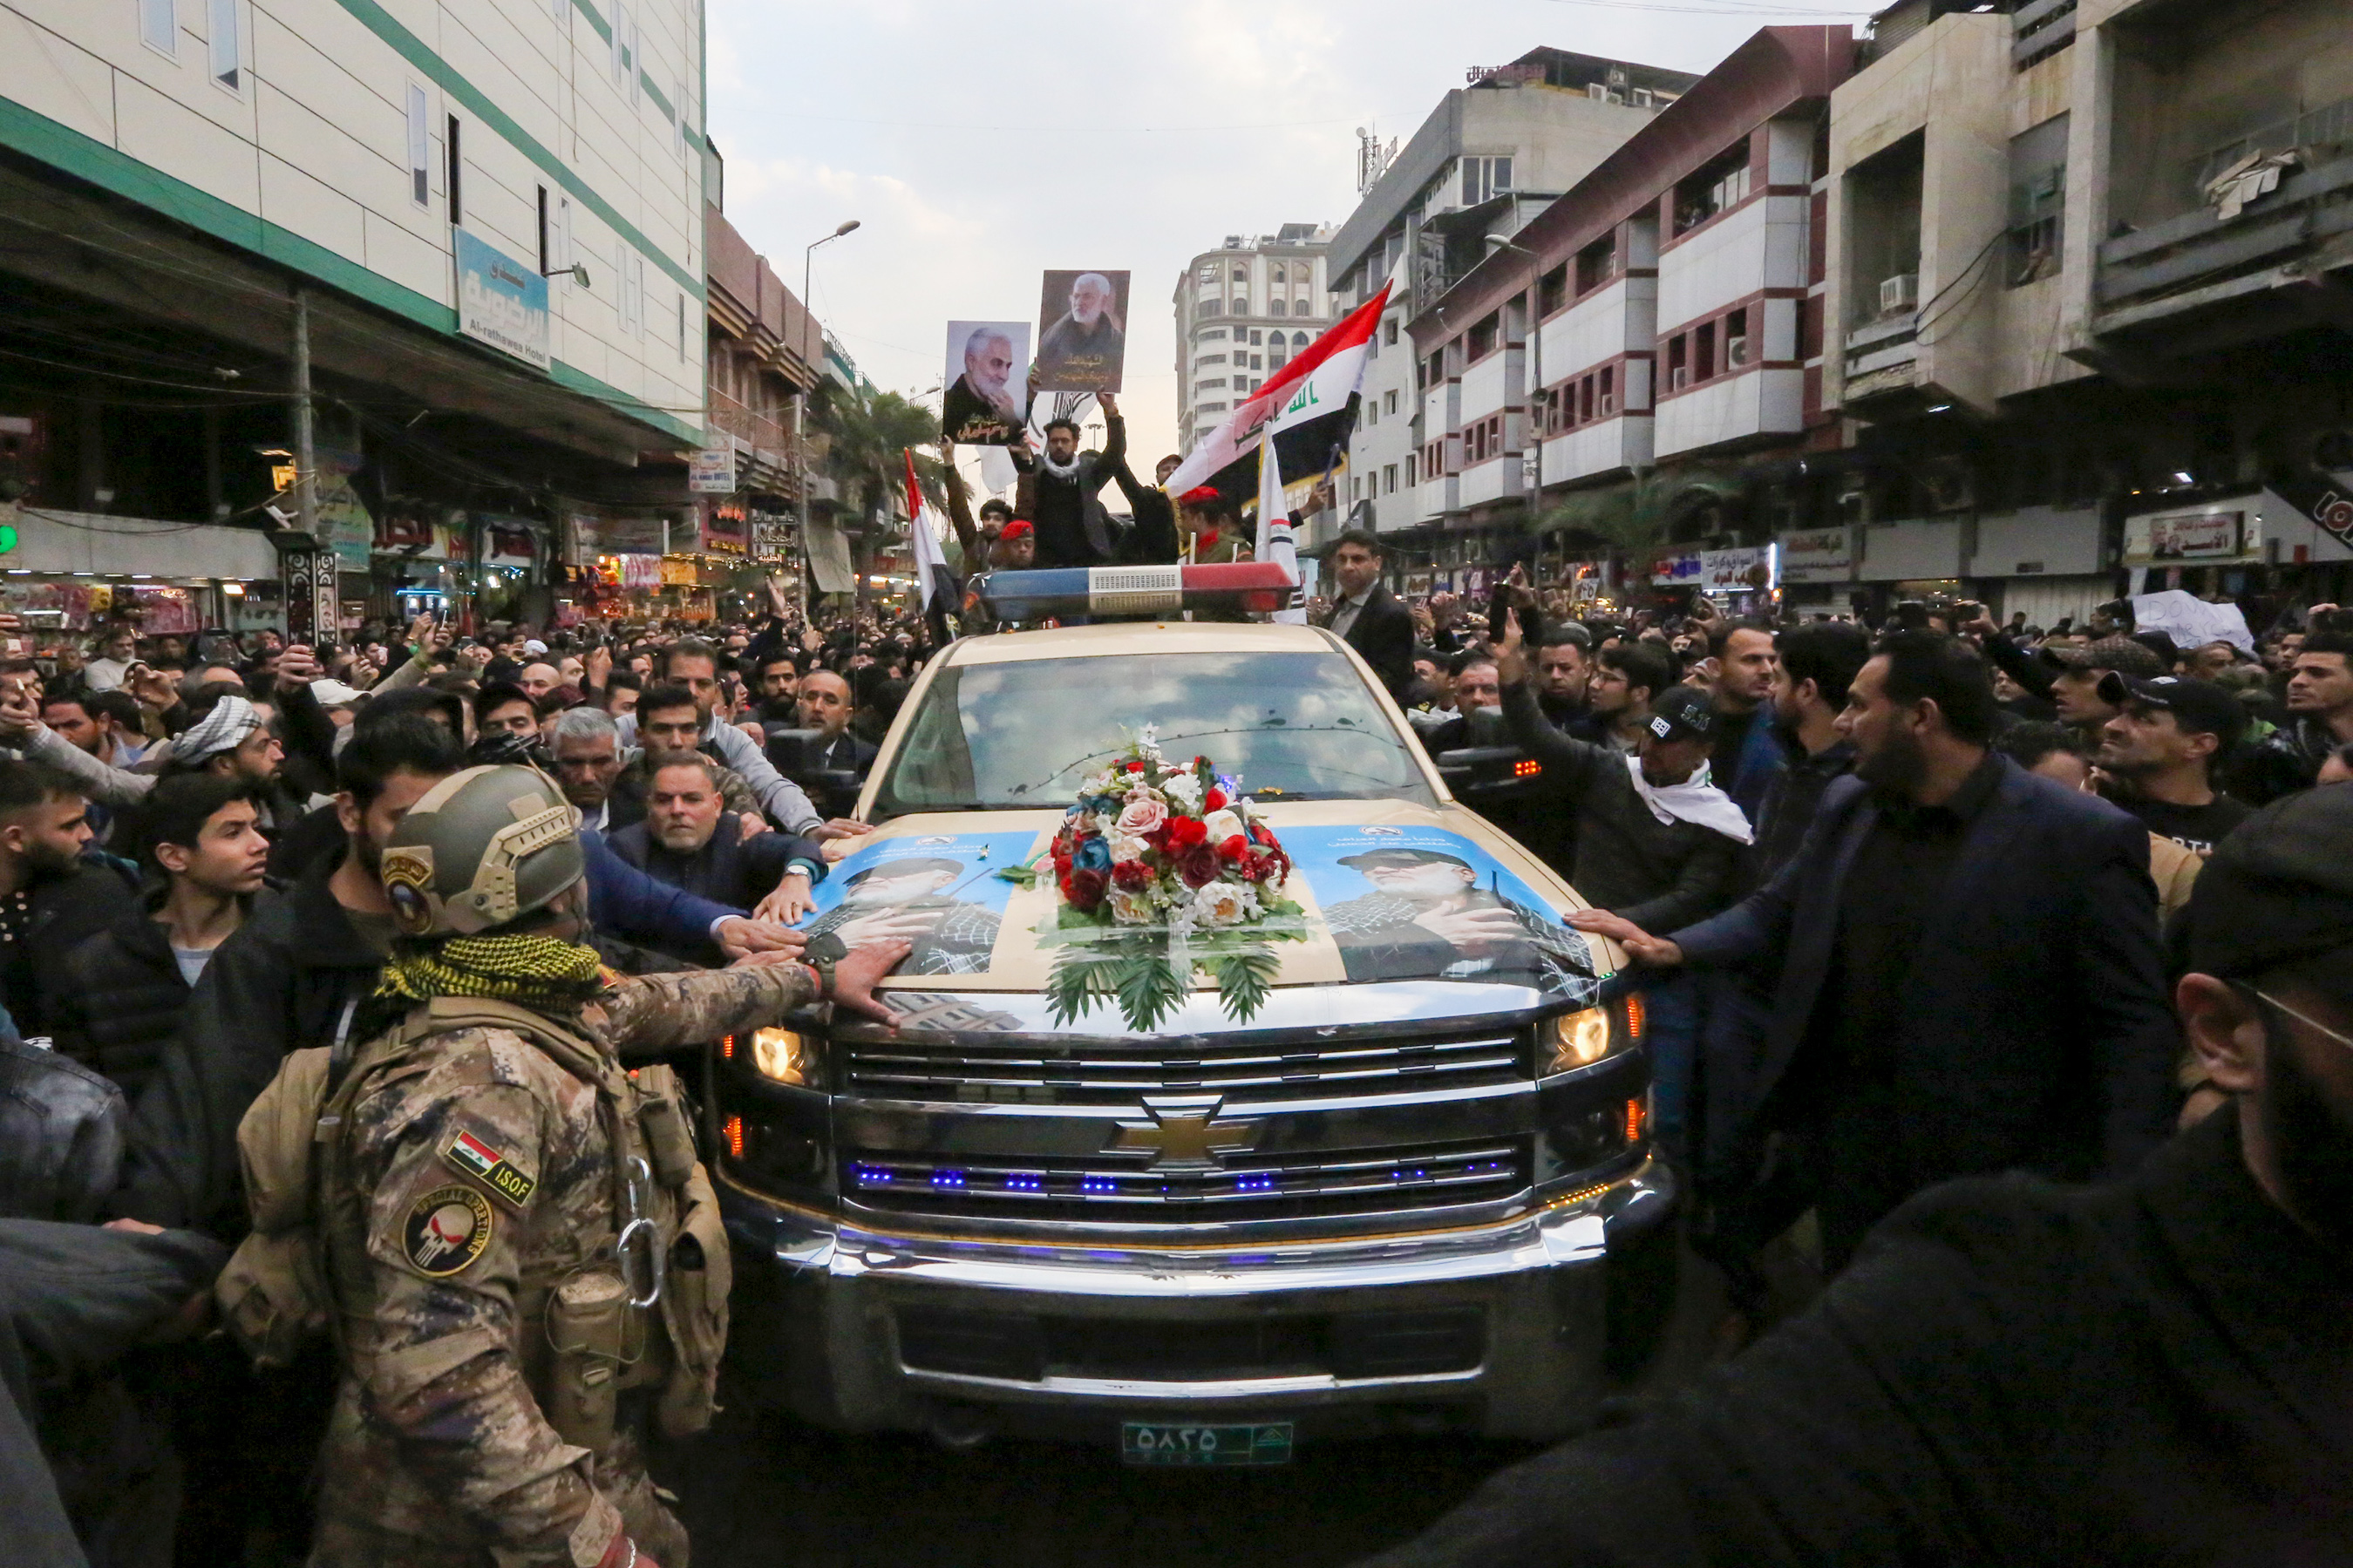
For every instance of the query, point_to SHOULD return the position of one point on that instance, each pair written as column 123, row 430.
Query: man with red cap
column 1208, row 529
column 1016, row 549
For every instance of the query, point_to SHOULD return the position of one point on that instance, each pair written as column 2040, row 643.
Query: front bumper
column 1496, row 1329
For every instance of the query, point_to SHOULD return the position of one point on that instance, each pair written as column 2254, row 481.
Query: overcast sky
column 981, row 144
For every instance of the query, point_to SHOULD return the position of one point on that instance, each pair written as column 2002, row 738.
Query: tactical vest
column 648, row 1309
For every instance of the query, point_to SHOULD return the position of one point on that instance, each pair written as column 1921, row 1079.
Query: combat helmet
column 483, row 847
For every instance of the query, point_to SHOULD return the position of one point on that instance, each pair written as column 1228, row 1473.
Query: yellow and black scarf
column 541, row 972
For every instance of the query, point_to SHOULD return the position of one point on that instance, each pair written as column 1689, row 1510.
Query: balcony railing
column 2204, row 248
column 2041, row 28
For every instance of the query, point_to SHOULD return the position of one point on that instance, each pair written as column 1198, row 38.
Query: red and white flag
column 1309, row 405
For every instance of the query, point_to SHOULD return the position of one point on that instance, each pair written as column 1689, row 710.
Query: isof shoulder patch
column 446, row 1230
column 489, row 1167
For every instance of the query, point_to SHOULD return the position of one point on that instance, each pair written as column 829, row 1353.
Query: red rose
column 1132, row 874
column 1184, row 832
column 1136, row 767
column 1234, row 849
column 1259, row 832
column 1158, row 838
column 1197, row 866
column 1084, row 889
column 1213, row 801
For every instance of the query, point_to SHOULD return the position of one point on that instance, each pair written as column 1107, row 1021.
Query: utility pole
column 306, row 449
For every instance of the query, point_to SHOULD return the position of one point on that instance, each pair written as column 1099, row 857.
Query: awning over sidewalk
column 68, row 542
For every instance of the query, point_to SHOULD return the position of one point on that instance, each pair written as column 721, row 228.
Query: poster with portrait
column 987, row 383
column 1422, row 903
column 936, row 890
column 1082, row 331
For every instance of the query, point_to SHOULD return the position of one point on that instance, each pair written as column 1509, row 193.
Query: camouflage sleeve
column 657, row 1011
column 457, row 1158
column 737, row 796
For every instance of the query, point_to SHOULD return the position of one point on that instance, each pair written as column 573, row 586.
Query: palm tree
column 867, row 433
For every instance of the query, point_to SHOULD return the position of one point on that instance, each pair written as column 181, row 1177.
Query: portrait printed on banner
column 986, row 382
column 1082, row 331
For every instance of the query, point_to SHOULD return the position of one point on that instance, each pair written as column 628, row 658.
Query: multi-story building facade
column 1489, row 156
column 237, row 197
column 1243, row 310
column 2085, row 262
column 1663, row 312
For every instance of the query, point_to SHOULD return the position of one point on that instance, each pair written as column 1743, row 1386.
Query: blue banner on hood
column 1420, row 903
column 936, row 890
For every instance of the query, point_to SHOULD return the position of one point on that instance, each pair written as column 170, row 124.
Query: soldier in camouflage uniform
column 522, row 1251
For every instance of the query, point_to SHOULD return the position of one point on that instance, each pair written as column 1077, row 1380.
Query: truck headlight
column 1578, row 1041
column 782, row 1055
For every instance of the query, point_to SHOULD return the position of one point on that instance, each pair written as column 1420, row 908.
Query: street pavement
column 768, row 1492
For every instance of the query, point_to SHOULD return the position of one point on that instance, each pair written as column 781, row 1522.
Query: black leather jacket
column 61, row 1135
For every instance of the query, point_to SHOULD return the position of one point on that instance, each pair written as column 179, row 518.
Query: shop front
column 75, row 571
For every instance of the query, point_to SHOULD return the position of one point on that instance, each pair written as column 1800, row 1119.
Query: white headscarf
column 1693, row 800
column 222, row 730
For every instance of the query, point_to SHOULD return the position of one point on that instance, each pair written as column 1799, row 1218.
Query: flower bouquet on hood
column 1163, row 869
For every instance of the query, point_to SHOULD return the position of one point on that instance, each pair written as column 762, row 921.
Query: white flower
column 1125, row 847
column 1184, row 792
column 1222, row 826
column 1133, row 909
column 1224, row 903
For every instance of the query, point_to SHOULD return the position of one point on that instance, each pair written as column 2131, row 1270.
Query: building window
column 456, row 174
column 682, row 324
column 1678, row 363
column 1257, row 338
column 1597, row 264
column 544, row 268
column 1608, row 406
column 1278, row 273
column 1213, row 335
column 1389, row 402
column 159, row 25
column 1736, row 340
column 1409, row 481
column 1552, row 291
column 1211, row 308
column 1719, row 185
column 1388, row 478
column 1372, row 416
column 1215, row 384
column 1485, row 178
column 625, row 50
column 1241, row 275
column 630, row 291
column 1299, row 340
column 420, row 150
column 1485, row 334
column 1277, row 308
column 1206, row 359
column 1704, row 351
column 1390, row 331
column 1258, row 361
column 228, row 58
column 2037, row 203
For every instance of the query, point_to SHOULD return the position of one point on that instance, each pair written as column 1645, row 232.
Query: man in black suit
column 1367, row 616
column 827, row 708
column 1969, row 975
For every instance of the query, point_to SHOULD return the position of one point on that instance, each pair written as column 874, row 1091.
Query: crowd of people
column 1906, row 905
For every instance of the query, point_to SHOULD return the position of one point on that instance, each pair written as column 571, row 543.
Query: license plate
column 1151, row 1443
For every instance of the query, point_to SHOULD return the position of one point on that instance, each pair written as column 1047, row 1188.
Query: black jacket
column 65, row 911
column 1382, row 635
column 2011, row 1373
column 61, row 1133
column 730, row 870
column 291, row 977
column 1656, row 874
column 1791, row 798
column 1151, row 540
column 121, row 998
column 2037, row 1031
column 1073, row 528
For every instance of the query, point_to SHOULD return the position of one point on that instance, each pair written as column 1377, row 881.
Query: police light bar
column 1135, row 590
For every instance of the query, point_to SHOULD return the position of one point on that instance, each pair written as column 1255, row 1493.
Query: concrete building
column 2076, row 354
column 1663, row 310
column 1243, row 310
column 227, row 198
column 1491, row 155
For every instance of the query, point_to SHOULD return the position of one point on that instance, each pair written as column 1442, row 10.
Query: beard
column 1898, row 766
column 368, row 850
column 48, row 860
column 2309, row 1139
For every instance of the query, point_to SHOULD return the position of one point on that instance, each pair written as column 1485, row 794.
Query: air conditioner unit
column 1901, row 292
column 1679, row 378
column 1736, row 350
column 1608, row 406
column 1643, row 98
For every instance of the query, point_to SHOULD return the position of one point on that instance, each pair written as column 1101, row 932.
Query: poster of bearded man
column 1082, row 331
column 986, row 398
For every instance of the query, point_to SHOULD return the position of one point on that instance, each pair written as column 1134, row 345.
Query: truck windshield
column 1292, row 726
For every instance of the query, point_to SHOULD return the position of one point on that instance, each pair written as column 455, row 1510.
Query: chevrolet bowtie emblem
column 1183, row 1134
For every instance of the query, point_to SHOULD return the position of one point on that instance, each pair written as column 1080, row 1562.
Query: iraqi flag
column 941, row 593
column 1309, row 405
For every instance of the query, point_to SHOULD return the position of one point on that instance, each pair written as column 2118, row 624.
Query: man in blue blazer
column 1967, row 960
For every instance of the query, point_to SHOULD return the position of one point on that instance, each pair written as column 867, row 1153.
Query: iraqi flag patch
column 488, row 1166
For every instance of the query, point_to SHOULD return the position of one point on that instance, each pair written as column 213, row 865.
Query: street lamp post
column 800, row 411
column 1535, row 364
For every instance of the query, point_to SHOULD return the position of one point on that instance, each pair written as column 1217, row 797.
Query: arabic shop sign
column 1744, row 571
column 501, row 301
